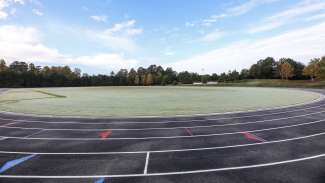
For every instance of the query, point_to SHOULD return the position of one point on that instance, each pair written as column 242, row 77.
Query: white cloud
column 99, row 18
column 13, row 11
column 316, row 17
column 5, row 4
column 119, row 37
column 110, row 61
column 236, row 11
column 189, row 24
column 265, row 27
column 246, row 7
column 212, row 36
column 3, row 15
column 302, row 45
column 24, row 43
column 169, row 52
column 301, row 9
column 37, row 12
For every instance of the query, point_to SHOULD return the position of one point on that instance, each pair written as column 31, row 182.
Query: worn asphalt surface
column 284, row 145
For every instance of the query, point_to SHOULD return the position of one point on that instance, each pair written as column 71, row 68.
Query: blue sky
column 205, row 36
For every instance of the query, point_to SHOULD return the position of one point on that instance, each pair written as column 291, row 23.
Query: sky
column 207, row 36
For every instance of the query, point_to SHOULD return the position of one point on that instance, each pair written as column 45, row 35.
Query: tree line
column 22, row 74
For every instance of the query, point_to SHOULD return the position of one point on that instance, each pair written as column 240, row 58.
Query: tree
column 297, row 67
column 321, row 68
column 185, row 77
column 312, row 69
column 286, row 71
column 77, row 72
column 170, row 76
column 233, row 76
column 254, row 71
column 214, row 77
column 244, row 74
column 18, row 67
column 205, row 79
column 266, row 68
column 142, row 75
column 137, row 80
column 164, row 80
column 131, row 77
column 3, row 66
column 121, row 77
column 149, row 79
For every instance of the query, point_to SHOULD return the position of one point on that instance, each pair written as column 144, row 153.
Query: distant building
column 212, row 83
column 208, row 83
column 197, row 83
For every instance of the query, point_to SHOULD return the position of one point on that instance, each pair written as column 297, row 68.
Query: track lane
column 136, row 145
column 167, row 134
column 311, row 170
column 178, row 163
column 67, row 165
column 261, row 116
column 56, row 126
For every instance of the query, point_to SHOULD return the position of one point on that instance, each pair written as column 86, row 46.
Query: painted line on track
column 168, row 137
column 189, row 131
column 10, row 164
column 105, row 134
column 38, row 132
column 167, row 151
column 250, row 136
column 145, row 170
column 101, row 180
column 8, row 124
column 168, row 128
column 166, row 121
column 167, row 173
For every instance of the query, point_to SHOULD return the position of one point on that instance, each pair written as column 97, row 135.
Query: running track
column 279, row 145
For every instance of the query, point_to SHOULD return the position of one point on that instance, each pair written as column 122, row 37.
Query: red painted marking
column 189, row 131
column 251, row 136
column 105, row 134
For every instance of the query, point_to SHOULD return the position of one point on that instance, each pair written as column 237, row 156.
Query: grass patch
column 51, row 94
column 274, row 83
column 149, row 101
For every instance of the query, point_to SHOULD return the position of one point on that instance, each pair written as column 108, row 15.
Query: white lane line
column 2, row 138
column 167, row 151
column 8, row 124
column 145, row 171
column 162, row 122
column 169, row 128
column 170, row 137
column 167, row 173
column 38, row 132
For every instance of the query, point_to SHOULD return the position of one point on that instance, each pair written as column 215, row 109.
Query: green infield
column 147, row 101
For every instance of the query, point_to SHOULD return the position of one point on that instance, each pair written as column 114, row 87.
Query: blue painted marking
column 15, row 162
column 101, row 180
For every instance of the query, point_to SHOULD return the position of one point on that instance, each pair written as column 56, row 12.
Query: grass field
column 147, row 101
column 276, row 83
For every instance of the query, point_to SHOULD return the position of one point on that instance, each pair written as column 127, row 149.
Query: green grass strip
column 51, row 94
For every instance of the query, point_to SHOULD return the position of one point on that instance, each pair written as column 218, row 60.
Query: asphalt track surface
column 278, row 145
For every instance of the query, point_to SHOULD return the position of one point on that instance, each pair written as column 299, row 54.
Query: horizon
column 211, row 37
